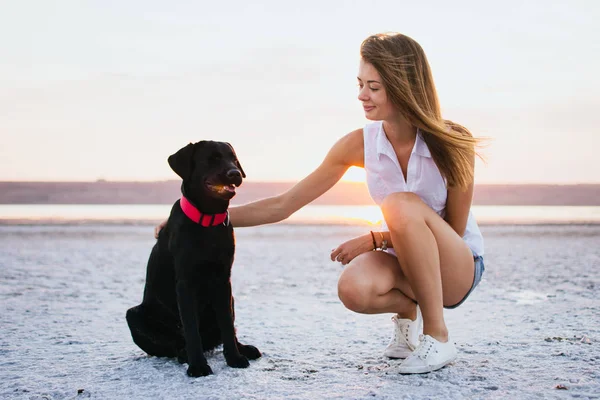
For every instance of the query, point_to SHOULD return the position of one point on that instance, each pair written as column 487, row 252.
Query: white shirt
column 384, row 177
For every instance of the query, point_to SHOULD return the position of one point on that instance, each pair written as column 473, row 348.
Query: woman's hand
column 159, row 227
column 349, row 250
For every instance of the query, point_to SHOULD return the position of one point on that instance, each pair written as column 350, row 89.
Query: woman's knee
column 401, row 208
column 354, row 291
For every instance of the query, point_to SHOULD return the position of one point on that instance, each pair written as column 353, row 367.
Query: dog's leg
column 188, row 307
column 224, row 311
column 151, row 333
column 251, row 352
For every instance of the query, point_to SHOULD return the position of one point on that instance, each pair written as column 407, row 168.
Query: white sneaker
column 431, row 355
column 406, row 336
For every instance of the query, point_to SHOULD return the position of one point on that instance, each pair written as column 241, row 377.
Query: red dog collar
column 205, row 220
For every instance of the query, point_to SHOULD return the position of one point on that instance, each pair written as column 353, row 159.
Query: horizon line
column 101, row 180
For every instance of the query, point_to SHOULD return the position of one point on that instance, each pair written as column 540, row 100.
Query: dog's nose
column 233, row 173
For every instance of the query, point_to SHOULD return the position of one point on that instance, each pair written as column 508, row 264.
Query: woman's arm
column 346, row 152
column 458, row 205
column 352, row 248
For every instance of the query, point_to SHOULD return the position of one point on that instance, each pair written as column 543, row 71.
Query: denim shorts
column 479, row 269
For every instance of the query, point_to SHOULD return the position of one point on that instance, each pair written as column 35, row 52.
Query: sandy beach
column 530, row 330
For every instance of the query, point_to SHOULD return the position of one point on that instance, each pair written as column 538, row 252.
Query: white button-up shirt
column 384, row 177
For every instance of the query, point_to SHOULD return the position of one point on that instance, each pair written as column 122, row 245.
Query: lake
column 320, row 214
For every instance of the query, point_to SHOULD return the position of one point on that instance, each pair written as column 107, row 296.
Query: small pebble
column 586, row 340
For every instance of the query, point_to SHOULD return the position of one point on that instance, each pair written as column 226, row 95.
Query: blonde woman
column 420, row 170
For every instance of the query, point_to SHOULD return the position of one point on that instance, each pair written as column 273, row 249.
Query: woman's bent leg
column 373, row 283
column 439, row 268
column 434, row 258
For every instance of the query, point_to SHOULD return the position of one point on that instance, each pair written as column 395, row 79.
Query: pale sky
column 109, row 89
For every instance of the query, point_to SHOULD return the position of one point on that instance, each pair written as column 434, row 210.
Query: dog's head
column 208, row 168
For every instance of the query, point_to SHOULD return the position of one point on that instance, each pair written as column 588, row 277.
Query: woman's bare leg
column 373, row 283
column 437, row 263
column 433, row 265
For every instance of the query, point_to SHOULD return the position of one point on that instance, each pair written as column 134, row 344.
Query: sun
column 354, row 174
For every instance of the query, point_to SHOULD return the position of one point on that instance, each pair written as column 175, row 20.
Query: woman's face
column 372, row 94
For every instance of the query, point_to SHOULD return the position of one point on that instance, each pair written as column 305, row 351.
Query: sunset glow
column 354, row 174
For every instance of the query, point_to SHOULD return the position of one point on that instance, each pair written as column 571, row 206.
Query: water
column 329, row 214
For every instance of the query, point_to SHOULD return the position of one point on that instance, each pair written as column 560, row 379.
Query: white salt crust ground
column 531, row 328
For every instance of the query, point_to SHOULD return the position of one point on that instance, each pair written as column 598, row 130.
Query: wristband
column 374, row 243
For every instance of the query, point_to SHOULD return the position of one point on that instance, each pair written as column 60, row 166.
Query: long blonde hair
column 406, row 76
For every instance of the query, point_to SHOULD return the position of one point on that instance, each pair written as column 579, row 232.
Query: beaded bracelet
column 383, row 242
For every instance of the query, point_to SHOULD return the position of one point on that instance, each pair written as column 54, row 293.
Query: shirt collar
column 385, row 147
column 421, row 147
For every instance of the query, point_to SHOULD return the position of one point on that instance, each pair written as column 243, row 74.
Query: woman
column 420, row 170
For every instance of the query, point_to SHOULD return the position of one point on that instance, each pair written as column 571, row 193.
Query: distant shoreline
column 152, row 223
column 369, row 215
column 343, row 193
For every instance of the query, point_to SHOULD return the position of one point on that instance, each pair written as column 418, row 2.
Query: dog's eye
column 216, row 157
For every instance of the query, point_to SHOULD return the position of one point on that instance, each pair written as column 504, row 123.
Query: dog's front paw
column 237, row 361
column 199, row 370
column 251, row 352
column 182, row 356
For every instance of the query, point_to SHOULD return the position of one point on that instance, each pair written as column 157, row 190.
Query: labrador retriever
column 187, row 306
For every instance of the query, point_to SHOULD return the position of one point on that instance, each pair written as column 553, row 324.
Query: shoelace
column 422, row 351
column 403, row 329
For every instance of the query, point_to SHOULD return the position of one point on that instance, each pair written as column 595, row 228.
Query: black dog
column 188, row 306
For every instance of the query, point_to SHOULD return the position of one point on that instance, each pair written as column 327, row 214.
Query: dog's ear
column 237, row 162
column 181, row 162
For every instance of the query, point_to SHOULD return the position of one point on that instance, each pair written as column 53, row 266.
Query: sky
column 109, row 89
